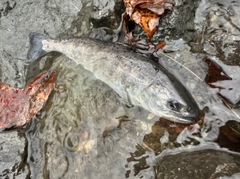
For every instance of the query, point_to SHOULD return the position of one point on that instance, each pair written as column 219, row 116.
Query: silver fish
column 138, row 80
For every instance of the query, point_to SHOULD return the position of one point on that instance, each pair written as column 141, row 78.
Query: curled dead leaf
column 147, row 19
column 146, row 13
column 19, row 106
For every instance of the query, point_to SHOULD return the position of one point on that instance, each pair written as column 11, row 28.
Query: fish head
column 173, row 102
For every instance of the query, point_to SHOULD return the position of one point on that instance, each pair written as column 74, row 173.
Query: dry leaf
column 127, row 27
column 19, row 106
column 147, row 12
column 160, row 45
column 232, row 130
column 157, row 6
column 147, row 19
column 215, row 73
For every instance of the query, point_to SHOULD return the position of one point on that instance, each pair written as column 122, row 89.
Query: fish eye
column 174, row 105
column 189, row 109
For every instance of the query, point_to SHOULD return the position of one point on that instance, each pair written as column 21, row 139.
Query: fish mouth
column 176, row 118
column 187, row 117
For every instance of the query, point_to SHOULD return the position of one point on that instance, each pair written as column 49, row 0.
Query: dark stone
column 198, row 165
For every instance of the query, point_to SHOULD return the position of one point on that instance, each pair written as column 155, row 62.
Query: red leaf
column 19, row 106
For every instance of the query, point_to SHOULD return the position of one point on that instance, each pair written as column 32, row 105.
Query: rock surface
column 13, row 156
column 200, row 164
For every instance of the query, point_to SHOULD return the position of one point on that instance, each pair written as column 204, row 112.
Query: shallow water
column 78, row 128
column 84, row 131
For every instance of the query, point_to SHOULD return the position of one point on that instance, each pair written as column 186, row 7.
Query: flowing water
column 85, row 131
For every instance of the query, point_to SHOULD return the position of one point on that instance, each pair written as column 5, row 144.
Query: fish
column 138, row 81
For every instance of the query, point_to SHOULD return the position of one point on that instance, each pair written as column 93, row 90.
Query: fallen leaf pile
column 19, row 106
column 146, row 13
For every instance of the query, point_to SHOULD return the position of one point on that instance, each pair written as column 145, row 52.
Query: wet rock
column 217, row 26
column 106, row 13
column 12, row 155
column 51, row 17
column 7, row 6
column 12, row 69
column 106, row 19
column 198, row 164
column 98, row 19
column 172, row 27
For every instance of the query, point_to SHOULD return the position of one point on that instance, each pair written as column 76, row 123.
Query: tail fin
column 35, row 50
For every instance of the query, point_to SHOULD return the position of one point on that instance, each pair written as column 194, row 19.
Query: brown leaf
column 176, row 128
column 19, row 106
column 215, row 73
column 157, row 6
column 146, row 13
column 128, row 26
column 147, row 19
column 160, row 45
column 232, row 130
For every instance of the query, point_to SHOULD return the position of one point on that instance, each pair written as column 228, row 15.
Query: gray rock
column 12, row 155
column 171, row 26
column 200, row 164
column 217, row 30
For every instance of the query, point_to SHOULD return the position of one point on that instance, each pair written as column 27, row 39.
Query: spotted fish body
column 138, row 80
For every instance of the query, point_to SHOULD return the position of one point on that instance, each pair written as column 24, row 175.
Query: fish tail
column 35, row 51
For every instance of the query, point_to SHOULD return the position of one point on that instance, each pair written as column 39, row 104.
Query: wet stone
column 6, row 7
column 217, row 26
column 107, row 13
column 198, row 164
column 171, row 26
column 12, row 155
